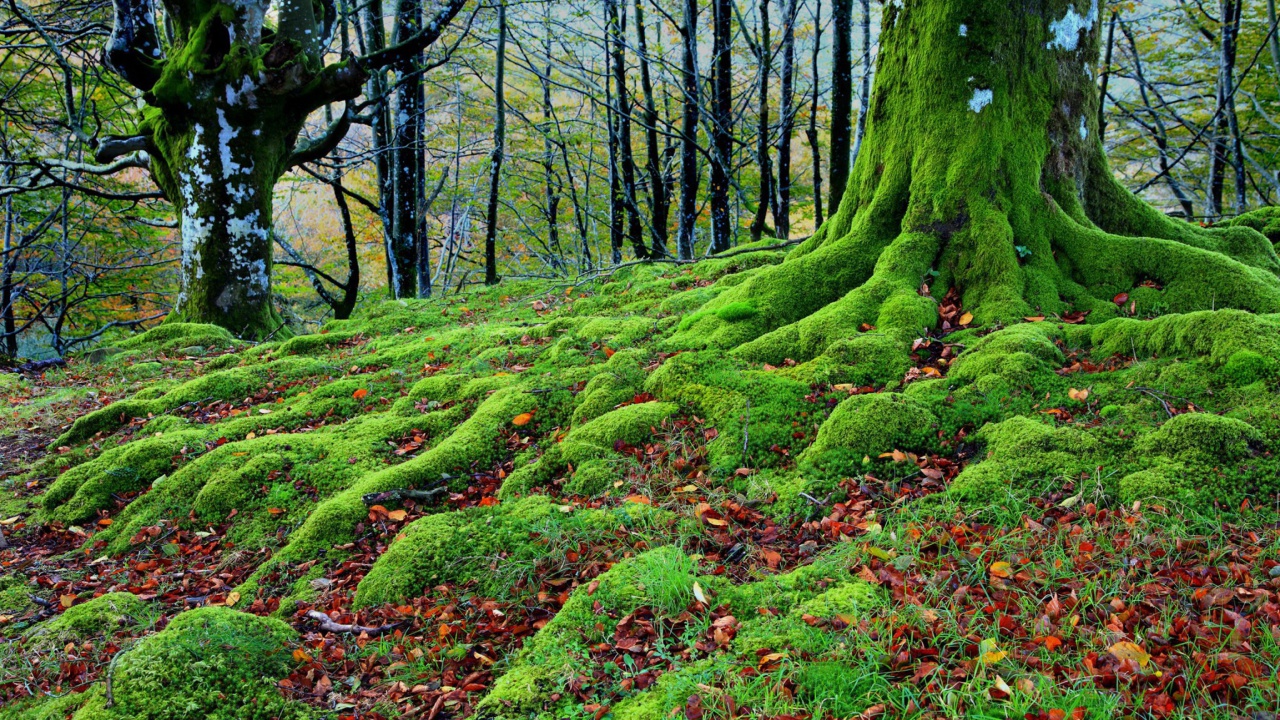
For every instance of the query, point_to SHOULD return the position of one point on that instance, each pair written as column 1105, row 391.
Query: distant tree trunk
column 1232, row 10
column 1106, row 75
column 812, row 132
column 659, row 190
column 721, row 122
column 499, row 148
column 380, row 129
column 758, row 225
column 864, row 95
column 548, row 150
column 690, row 177
column 1274, row 43
column 841, row 98
column 1157, row 122
column 616, row 19
column 7, row 263
column 1221, row 139
column 409, row 183
column 787, row 122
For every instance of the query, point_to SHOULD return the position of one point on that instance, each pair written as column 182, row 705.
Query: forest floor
column 602, row 536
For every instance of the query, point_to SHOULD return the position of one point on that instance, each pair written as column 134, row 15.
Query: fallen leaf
column 1120, row 299
column 698, row 594
column 1001, row 569
column 1078, row 395
column 640, row 499
column 232, row 599
column 360, row 393
column 1125, row 650
column 522, row 419
column 397, row 515
column 966, row 318
column 301, row 656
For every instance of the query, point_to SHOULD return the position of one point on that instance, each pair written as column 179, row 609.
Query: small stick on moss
column 404, row 494
column 4, row 544
column 328, row 625
column 111, row 698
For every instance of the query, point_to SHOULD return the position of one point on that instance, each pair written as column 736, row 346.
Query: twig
column 1153, row 394
column 405, row 494
column 328, row 625
column 815, row 500
column 111, row 698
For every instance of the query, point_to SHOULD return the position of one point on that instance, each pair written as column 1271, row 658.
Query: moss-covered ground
column 609, row 520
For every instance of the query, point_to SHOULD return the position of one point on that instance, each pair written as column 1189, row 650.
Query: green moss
column 873, row 424
column 1017, row 354
column 1247, row 366
column 207, row 664
column 79, row 493
column 1169, row 481
column 737, row 311
column 103, row 615
column 838, row 688
column 1023, row 455
column 1201, row 436
column 175, row 335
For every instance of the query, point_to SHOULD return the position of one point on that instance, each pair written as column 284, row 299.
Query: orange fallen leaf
column 360, row 393
column 966, row 318
column 1078, row 395
column 1001, row 569
column 397, row 515
column 640, row 499
column 522, row 419
column 104, row 522
column 608, row 351
column 1053, row 642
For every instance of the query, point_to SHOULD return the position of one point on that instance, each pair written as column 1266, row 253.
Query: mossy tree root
column 982, row 172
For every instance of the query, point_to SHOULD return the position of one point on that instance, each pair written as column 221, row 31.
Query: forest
column 632, row 359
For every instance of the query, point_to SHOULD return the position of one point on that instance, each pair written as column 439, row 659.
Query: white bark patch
column 226, row 134
column 1084, row 129
column 964, row 31
column 981, row 99
column 1066, row 32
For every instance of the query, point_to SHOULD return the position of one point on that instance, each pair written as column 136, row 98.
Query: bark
column 721, row 123
column 1106, row 75
column 786, row 121
column 764, row 55
column 499, row 150
column 1273, row 42
column 841, row 99
column 552, row 198
column 864, row 94
column 616, row 18
column 408, row 184
column 7, row 262
column 1222, row 139
column 981, row 172
column 1235, row 7
column 812, row 132
column 659, row 188
column 690, row 176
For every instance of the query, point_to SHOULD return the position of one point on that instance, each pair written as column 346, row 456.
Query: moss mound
column 211, row 663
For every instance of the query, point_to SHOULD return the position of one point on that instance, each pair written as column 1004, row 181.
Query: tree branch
column 133, row 50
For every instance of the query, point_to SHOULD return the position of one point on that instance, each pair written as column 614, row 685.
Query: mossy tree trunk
column 981, row 170
column 226, row 100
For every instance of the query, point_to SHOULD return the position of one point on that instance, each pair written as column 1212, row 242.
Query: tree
column 787, row 120
column 982, row 173
column 226, row 102
column 499, row 150
column 841, row 98
column 721, row 122
column 690, row 174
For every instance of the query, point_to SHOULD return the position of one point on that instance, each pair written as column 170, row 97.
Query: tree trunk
column 549, row 151
column 409, row 183
column 864, row 95
column 499, row 150
column 659, row 190
column 8, row 260
column 982, row 172
column 616, row 18
column 721, row 123
column 1231, row 10
column 1273, row 43
column 786, row 120
column 765, row 58
column 812, row 132
column 380, row 130
column 690, row 177
column 841, row 99
column 1106, row 75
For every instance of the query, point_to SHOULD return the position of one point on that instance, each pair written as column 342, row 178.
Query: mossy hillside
column 498, row 546
column 663, row 579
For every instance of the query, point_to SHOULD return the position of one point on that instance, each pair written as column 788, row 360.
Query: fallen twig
column 379, row 498
column 328, row 625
